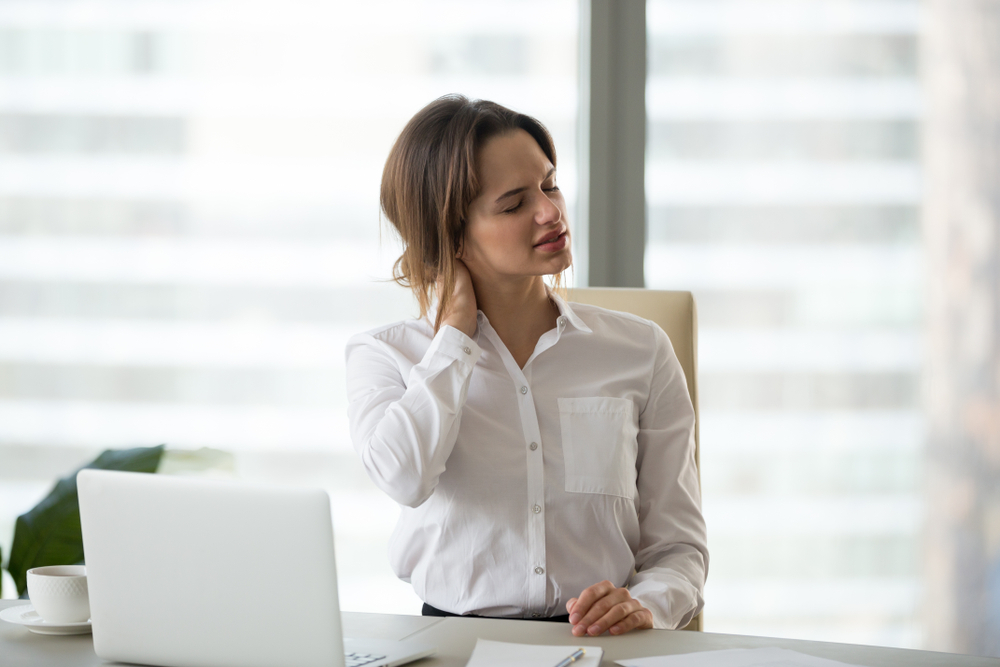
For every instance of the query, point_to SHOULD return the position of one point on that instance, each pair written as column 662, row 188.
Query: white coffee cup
column 59, row 593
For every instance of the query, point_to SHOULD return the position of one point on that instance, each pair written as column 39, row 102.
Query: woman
column 542, row 453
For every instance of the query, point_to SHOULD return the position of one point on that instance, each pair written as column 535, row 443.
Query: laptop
column 181, row 573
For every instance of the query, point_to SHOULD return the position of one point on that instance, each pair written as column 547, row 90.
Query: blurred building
column 190, row 231
column 783, row 186
column 962, row 382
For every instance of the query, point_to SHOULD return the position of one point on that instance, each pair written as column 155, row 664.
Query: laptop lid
column 198, row 573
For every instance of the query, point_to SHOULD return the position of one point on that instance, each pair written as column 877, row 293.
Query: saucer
column 27, row 616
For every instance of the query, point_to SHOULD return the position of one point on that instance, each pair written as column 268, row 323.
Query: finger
column 642, row 618
column 598, row 610
column 587, row 598
column 569, row 605
column 616, row 613
column 603, row 606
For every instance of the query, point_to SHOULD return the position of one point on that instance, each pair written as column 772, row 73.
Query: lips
column 548, row 238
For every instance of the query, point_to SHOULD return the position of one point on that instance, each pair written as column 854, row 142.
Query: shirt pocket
column 599, row 445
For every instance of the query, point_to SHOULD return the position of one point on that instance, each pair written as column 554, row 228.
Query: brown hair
column 429, row 181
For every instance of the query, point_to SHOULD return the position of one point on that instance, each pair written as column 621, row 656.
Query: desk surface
column 455, row 638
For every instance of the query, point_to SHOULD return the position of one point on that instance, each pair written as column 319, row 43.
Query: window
column 189, row 226
column 783, row 188
column 189, row 232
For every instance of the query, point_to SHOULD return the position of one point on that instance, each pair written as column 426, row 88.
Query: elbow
column 405, row 485
column 685, row 620
column 410, row 494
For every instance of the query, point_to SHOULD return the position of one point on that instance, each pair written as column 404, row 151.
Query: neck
column 520, row 312
column 514, row 303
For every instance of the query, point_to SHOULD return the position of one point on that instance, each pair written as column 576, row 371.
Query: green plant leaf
column 50, row 533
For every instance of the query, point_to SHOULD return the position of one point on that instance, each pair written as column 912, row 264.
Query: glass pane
column 783, row 188
column 189, row 226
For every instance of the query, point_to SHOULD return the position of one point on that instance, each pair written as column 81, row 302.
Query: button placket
column 536, row 495
column 534, row 464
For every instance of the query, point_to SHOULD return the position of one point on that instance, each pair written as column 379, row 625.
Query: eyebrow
column 511, row 193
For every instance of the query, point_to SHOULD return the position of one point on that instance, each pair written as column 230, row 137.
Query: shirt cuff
column 665, row 596
column 452, row 343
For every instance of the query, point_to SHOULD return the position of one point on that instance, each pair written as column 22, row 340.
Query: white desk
column 455, row 638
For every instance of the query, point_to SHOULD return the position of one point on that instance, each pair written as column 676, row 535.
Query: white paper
column 737, row 657
column 503, row 654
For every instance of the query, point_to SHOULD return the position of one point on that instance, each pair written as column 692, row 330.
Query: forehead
column 507, row 159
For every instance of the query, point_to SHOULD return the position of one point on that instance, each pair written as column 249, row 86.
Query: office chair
column 676, row 314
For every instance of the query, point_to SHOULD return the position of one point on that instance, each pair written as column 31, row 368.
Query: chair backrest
column 677, row 315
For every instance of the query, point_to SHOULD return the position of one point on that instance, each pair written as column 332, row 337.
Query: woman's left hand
column 604, row 607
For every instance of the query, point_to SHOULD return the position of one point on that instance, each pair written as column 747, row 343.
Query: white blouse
column 521, row 487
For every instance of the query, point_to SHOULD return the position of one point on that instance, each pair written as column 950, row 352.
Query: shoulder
column 399, row 330
column 604, row 318
column 406, row 337
column 623, row 330
column 605, row 322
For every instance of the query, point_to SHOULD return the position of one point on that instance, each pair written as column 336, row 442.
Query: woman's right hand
column 462, row 309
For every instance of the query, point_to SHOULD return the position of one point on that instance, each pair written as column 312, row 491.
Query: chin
column 567, row 261
column 560, row 266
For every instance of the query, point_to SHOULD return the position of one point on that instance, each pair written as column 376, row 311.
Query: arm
column 672, row 559
column 404, row 431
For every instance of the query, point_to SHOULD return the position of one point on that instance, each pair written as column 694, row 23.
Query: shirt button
column 533, row 446
column 524, row 390
column 537, row 509
column 536, row 615
column 539, row 570
column 467, row 350
column 562, row 321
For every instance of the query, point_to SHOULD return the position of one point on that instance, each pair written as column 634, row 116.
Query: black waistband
column 434, row 611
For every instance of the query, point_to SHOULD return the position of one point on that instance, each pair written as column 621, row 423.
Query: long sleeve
column 523, row 485
column 404, row 428
column 672, row 559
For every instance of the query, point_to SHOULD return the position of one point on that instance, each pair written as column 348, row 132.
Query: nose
column 547, row 212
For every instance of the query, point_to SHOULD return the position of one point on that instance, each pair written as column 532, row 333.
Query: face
column 516, row 228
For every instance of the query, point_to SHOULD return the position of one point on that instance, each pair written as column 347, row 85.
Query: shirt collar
column 566, row 311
